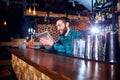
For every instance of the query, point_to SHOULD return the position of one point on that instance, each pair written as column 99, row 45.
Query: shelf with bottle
column 107, row 22
column 104, row 22
column 104, row 18
column 102, row 5
column 103, row 12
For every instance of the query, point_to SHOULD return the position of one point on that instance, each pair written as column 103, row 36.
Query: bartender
column 67, row 35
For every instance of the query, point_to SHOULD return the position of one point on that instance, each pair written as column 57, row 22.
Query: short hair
column 64, row 19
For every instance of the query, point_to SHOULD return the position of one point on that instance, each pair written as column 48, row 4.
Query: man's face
column 61, row 27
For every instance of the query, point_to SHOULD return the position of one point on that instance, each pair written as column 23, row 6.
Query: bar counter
column 59, row 67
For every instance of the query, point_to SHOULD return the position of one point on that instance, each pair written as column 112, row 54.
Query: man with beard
column 67, row 35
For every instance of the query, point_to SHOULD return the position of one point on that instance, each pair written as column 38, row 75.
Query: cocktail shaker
column 97, row 46
column 112, row 53
column 89, row 46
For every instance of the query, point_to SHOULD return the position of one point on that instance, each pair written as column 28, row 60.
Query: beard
column 62, row 31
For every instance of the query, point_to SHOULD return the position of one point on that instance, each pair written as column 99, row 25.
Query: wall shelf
column 103, row 6
column 55, row 15
column 106, row 22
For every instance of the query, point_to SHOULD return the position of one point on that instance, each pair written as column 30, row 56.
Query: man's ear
column 67, row 24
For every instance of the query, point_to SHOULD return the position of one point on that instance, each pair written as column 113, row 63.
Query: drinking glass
column 78, row 47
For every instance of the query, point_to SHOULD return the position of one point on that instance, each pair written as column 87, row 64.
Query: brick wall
column 52, row 29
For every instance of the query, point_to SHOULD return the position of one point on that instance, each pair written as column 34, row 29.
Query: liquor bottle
column 102, row 2
column 31, row 42
column 96, row 18
column 118, row 5
column 96, row 3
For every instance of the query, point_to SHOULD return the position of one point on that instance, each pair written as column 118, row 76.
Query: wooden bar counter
column 31, row 64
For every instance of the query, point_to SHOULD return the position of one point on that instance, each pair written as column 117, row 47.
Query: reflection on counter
column 36, row 65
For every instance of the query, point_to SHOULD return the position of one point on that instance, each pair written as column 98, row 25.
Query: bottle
column 99, row 17
column 118, row 5
column 96, row 18
column 103, row 17
column 110, row 14
column 96, row 3
column 102, row 2
column 31, row 43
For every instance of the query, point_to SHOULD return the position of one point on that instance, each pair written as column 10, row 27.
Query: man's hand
column 46, row 41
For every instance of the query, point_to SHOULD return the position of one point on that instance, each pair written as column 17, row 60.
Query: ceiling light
column 29, row 10
column 34, row 11
column 5, row 23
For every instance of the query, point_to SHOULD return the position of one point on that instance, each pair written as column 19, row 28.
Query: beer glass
column 78, row 47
